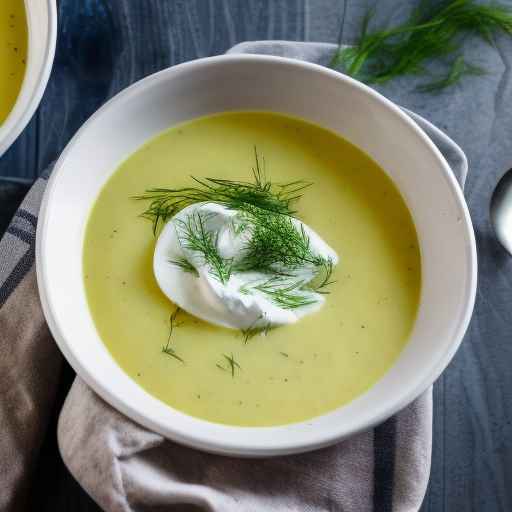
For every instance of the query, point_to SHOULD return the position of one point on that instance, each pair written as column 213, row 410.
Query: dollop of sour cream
column 218, row 293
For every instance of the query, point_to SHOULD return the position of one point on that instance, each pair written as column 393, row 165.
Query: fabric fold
column 30, row 360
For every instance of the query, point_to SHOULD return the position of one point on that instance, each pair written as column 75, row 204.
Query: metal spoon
column 501, row 211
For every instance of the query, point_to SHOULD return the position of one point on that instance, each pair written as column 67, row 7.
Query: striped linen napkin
column 126, row 468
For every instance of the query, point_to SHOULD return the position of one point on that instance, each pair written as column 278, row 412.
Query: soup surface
column 297, row 371
column 13, row 53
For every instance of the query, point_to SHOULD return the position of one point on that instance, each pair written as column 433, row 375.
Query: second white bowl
column 42, row 36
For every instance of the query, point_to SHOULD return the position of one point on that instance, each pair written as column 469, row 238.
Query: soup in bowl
column 251, row 272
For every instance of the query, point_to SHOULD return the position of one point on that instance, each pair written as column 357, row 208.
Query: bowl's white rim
column 12, row 127
column 225, row 445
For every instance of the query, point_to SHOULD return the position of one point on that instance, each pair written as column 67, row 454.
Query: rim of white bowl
column 214, row 437
column 29, row 98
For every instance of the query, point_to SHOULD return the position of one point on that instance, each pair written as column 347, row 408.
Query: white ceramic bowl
column 42, row 37
column 300, row 89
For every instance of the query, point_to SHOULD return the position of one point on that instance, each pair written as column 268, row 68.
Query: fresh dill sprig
column 164, row 203
column 171, row 352
column 278, row 246
column 433, row 31
column 238, row 227
column 253, row 329
column 275, row 243
column 325, row 271
column 290, row 292
column 167, row 349
column 185, row 265
column 194, row 236
column 232, row 365
column 286, row 293
column 459, row 68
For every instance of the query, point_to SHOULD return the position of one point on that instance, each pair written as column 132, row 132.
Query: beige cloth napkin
column 126, row 468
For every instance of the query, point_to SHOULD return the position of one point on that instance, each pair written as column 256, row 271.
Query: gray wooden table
column 105, row 45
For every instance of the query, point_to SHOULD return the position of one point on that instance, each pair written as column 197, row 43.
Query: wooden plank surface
column 105, row 45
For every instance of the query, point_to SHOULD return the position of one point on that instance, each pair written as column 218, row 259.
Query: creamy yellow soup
column 297, row 371
column 13, row 53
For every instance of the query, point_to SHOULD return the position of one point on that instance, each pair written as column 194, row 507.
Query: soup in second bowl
column 13, row 53
column 266, row 376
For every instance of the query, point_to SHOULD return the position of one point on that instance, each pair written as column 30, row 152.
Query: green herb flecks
column 185, row 265
column 164, row 203
column 194, row 235
column 433, row 31
column 232, row 365
column 254, row 329
column 167, row 349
